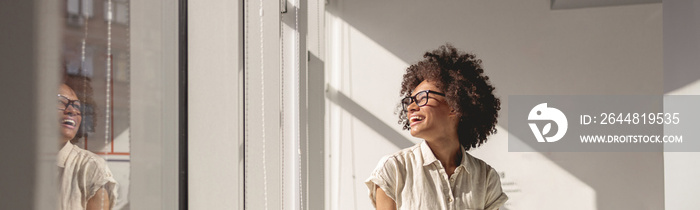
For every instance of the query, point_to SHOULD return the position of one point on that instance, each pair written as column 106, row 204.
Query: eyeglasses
column 421, row 98
column 64, row 102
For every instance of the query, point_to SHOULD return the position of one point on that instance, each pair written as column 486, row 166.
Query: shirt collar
column 429, row 157
column 63, row 154
column 465, row 159
column 427, row 154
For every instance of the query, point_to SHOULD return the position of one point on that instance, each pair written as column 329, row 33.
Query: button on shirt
column 415, row 179
column 82, row 173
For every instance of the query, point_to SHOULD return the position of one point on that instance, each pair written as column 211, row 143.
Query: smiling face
column 68, row 114
column 434, row 120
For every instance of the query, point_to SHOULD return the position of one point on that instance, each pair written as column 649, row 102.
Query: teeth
column 69, row 122
column 415, row 118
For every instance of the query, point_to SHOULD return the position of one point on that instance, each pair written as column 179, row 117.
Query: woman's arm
column 384, row 202
column 100, row 201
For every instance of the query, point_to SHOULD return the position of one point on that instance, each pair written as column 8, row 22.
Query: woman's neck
column 447, row 150
column 63, row 143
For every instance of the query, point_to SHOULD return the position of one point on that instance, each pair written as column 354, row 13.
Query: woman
column 86, row 181
column 450, row 104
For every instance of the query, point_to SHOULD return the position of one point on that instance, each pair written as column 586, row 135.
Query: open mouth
column 416, row 119
column 68, row 122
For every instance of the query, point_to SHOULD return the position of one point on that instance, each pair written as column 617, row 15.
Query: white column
column 215, row 104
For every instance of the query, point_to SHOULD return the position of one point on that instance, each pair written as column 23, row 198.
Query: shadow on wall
column 614, row 176
column 367, row 118
column 680, row 54
column 621, row 180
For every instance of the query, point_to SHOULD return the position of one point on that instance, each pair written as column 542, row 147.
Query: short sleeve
column 495, row 197
column 384, row 176
column 99, row 176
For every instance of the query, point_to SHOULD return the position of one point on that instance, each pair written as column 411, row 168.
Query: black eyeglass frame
column 72, row 103
column 412, row 99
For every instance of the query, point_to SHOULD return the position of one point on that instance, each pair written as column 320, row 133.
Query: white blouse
column 415, row 179
column 82, row 173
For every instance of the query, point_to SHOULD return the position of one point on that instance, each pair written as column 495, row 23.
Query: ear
column 455, row 113
column 455, row 116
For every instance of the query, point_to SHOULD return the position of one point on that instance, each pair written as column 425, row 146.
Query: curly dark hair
column 82, row 86
column 460, row 76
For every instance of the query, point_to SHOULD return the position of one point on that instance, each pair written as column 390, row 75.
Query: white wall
column 681, row 77
column 527, row 49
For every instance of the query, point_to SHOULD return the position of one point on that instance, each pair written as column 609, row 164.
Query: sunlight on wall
column 680, row 180
column 367, row 76
column 356, row 147
column 528, row 50
column 531, row 180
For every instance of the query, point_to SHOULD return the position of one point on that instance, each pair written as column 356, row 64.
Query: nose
column 70, row 110
column 412, row 107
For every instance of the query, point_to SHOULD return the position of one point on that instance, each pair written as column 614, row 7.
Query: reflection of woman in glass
column 450, row 104
column 86, row 181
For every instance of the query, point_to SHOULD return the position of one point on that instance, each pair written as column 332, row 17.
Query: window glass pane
column 95, row 56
